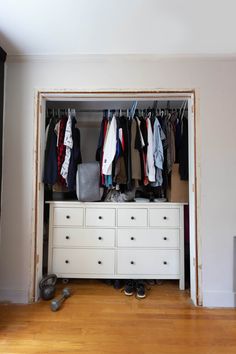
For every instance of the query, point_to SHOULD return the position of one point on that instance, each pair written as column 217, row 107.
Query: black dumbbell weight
column 47, row 287
column 56, row 303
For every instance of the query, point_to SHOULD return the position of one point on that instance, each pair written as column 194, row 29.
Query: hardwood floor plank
column 98, row 319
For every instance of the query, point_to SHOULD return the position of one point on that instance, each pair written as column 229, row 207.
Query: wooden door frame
column 42, row 96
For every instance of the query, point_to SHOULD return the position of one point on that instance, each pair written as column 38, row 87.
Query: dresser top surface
column 75, row 203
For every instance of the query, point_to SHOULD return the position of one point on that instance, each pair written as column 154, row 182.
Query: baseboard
column 219, row 299
column 16, row 296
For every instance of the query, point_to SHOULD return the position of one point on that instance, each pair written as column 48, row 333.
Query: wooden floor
column 97, row 319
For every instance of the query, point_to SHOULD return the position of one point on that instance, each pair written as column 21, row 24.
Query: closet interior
column 146, row 145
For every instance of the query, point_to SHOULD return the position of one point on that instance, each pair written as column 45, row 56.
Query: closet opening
column 148, row 217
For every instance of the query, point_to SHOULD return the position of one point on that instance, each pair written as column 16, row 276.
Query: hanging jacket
column 183, row 152
column 143, row 129
column 171, row 145
column 135, row 148
column 101, row 140
column 75, row 157
column 50, row 160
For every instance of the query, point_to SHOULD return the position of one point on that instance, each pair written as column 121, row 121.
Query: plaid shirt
column 61, row 150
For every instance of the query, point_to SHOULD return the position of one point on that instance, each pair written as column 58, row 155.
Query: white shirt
column 109, row 149
column 151, row 171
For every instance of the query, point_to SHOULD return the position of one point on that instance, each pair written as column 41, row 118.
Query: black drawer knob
column 132, row 217
column 99, row 262
column 132, row 262
column 132, row 238
column 67, row 237
column 100, row 217
column 66, row 261
column 100, row 238
column 68, row 216
column 165, row 217
column 165, row 238
column 165, row 262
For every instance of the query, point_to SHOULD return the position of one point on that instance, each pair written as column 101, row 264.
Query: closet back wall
column 215, row 81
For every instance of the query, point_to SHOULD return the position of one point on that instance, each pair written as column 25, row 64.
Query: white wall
column 215, row 80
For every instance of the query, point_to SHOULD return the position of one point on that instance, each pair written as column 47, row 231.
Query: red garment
column 145, row 179
column 61, row 150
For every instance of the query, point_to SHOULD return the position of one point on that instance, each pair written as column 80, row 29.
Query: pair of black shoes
column 135, row 286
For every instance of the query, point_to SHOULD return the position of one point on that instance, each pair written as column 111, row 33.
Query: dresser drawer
column 132, row 217
column 76, row 237
column 82, row 261
column 164, row 217
column 163, row 262
column 165, row 238
column 100, row 217
column 68, row 216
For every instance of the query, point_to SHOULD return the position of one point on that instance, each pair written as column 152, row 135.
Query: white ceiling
column 164, row 27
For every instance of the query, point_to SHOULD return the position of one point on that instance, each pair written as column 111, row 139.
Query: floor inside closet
column 98, row 319
column 89, row 118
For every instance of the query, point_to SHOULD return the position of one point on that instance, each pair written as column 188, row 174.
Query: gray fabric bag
column 87, row 182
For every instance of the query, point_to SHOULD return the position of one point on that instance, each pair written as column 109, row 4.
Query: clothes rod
column 112, row 110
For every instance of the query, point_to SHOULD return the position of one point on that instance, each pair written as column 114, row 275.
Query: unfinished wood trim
column 197, row 197
column 35, row 197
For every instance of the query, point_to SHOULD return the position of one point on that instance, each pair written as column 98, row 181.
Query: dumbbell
column 56, row 303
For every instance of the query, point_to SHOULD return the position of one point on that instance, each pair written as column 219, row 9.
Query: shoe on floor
column 129, row 287
column 140, row 290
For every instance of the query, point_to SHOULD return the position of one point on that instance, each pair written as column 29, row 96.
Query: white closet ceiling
column 163, row 27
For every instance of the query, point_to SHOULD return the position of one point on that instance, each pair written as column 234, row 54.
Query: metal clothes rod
column 111, row 110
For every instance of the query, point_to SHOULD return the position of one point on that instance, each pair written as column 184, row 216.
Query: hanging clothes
column 99, row 151
column 75, row 158
column 57, row 130
column 158, row 152
column 109, row 148
column 183, row 151
column 151, row 173
column 120, row 176
column 143, row 129
column 100, row 148
column 177, row 139
column 136, row 147
column 171, row 145
column 124, row 124
column 162, row 121
column 68, row 142
column 50, row 160
column 61, row 150
column 139, row 145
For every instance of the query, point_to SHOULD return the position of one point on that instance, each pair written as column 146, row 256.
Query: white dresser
column 117, row 240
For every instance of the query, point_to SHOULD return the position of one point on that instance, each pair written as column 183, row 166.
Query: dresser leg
column 181, row 284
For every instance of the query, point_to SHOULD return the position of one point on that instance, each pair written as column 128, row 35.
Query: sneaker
column 140, row 289
column 118, row 283
column 129, row 287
